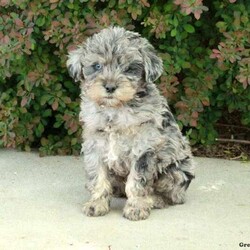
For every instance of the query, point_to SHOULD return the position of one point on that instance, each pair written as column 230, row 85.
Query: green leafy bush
column 205, row 46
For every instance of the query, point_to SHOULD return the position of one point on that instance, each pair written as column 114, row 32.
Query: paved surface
column 40, row 208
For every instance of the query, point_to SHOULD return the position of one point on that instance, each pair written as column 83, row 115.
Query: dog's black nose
column 110, row 88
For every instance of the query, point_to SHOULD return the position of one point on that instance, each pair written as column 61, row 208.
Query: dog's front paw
column 136, row 213
column 158, row 202
column 96, row 208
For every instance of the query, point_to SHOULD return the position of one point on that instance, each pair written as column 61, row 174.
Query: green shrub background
column 205, row 46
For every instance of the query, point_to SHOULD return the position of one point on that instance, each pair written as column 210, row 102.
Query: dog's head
column 114, row 66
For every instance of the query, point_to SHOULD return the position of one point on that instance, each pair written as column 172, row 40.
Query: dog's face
column 114, row 66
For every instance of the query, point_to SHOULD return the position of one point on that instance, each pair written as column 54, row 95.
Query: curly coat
column 132, row 144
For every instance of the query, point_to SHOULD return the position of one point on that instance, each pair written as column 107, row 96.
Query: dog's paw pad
column 135, row 214
column 96, row 208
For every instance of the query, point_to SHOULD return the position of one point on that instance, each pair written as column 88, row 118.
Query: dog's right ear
column 74, row 64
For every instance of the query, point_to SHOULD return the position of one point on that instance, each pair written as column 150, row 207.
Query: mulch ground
column 233, row 141
column 230, row 151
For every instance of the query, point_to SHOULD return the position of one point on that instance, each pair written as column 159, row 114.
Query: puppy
column 132, row 144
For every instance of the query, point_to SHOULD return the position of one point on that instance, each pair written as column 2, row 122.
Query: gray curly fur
column 132, row 144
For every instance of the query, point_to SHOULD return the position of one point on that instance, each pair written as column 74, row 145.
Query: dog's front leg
column 101, row 191
column 139, row 189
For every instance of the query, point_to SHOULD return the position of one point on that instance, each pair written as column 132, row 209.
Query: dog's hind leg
column 175, row 180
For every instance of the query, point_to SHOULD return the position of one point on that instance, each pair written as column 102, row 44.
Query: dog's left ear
column 152, row 63
column 74, row 63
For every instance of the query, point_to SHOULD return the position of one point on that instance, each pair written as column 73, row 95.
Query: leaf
column 55, row 105
column 175, row 21
column 181, row 105
column 45, row 99
column 58, row 124
column 47, row 113
column 112, row 3
column 189, row 28
column 73, row 127
column 27, row 148
column 3, row 3
column 24, row 101
column 19, row 22
column 186, row 65
column 193, row 123
column 71, row 6
column 195, row 115
column 44, row 141
column 178, row 2
column 173, row 32
column 33, row 76
column 216, row 51
column 197, row 14
column 40, row 21
column 134, row 15
column 145, row 3
column 67, row 99
column 39, row 130
column 5, row 39
column 74, row 141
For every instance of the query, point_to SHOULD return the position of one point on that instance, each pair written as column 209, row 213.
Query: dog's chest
column 122, row 135
column 119, row 131
column 116, row 130
column 117, row 154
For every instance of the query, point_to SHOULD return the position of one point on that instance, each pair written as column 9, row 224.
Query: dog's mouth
column 111, row 101
column 109, row 97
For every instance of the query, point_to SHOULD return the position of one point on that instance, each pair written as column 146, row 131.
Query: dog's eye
column 97, row 66
column 130, row 70
column 134, row 69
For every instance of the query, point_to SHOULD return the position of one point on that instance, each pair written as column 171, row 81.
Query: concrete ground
column 41, row 199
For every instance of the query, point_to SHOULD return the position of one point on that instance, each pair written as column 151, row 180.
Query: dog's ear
column 74, row 63
column 152, row 63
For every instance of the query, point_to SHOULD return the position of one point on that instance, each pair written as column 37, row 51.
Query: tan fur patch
column 96, row 92
column 124, row 93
